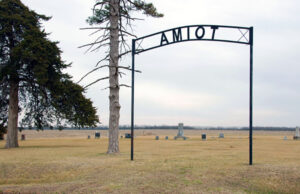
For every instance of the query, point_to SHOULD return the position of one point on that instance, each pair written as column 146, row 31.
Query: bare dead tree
column 111, row 22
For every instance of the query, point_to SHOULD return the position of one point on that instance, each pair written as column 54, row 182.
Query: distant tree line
column 164, row 127
column 258, row 128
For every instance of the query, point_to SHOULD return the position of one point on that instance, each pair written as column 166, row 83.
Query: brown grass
column 74, row 164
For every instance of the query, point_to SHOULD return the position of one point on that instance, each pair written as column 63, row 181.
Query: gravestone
column 23, row 137
column 121, row 136
column 221, row 135
column 297, row 134
column 166, row 137
column 89, row 137
column 97, row 135
column 180, row 131
column 203, row 136
column 157, row 138
column 127, row 135
column 285, row 138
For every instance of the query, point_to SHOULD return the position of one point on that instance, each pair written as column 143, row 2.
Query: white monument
column 297, row 134
column 180, row 132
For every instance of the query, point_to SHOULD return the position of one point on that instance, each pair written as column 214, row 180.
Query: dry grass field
column 67, row 162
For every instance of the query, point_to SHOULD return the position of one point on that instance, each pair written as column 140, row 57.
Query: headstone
column 221, row 135
column 297, row 134
column 180, row 131
column 203, row 136
column 166, row 137
column 157, row 138
column 127, row 135
column 121, row 136
column 285, row 138
column 97, row 135
column 184, row 138
column 89, row 137
column 23, row 137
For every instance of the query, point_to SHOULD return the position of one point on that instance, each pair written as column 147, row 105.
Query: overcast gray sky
column 197, row 83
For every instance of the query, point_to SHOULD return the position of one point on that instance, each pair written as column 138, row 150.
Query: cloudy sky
column 197, row 83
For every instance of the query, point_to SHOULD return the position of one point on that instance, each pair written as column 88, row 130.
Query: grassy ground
column 79, row 165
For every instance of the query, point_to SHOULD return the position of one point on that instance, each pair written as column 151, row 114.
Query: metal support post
column 251, row 99
column 132, row 97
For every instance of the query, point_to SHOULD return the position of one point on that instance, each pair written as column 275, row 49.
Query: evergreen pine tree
column 31, row 77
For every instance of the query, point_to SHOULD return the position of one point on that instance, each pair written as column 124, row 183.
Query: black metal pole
column 251, row 99
column 132, row 97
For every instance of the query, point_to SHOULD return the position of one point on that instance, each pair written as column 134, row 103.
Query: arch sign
column 217, row 33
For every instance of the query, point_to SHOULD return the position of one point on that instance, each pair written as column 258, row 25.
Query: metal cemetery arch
column 194, row 33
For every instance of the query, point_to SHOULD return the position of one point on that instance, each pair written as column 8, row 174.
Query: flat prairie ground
column 68, row 162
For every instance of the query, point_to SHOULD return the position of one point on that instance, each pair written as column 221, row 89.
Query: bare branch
column 117, row 86
column 102, row 45
column 121, row 73
column 95, row 28
column 96, row 42
column 128, row 68
column 104, row 36
column 120, row 67
column 96, row 31
column 95, row 69
column 124, row 85
column 104, row 59
column 104, row 78
column 131, row 18
column 128, row 33
column 125, row 53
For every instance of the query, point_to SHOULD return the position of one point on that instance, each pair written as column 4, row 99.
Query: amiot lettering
column 219, row 33
column 197, row 33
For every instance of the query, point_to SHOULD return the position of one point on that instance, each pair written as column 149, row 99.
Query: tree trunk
column 114, row 104
column 13, row 110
